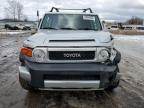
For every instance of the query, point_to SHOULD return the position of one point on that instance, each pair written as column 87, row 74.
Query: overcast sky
column 119, row 10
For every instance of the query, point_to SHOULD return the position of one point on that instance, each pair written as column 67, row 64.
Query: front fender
column 117, row 58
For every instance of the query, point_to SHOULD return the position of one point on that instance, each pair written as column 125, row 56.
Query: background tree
column 19, row 10
column 14, row 10
column 135, row 21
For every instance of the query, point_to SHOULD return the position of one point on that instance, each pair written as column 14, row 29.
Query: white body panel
column 69, row 38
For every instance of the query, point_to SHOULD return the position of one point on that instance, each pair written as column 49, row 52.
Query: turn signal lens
column 27, row 52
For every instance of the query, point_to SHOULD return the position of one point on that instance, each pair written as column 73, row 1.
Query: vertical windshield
column 71, row 22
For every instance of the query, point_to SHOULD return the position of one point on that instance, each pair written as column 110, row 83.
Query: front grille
column 71, row 77
column 71, row 55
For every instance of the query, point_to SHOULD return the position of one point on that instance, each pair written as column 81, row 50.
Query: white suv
column 71, row 51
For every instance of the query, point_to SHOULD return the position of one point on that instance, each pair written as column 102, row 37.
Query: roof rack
column 57, row 9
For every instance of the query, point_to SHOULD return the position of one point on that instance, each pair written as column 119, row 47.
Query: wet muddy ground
column 130, row 93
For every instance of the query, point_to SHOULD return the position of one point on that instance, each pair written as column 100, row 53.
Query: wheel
column 25, row 85
column 114, row 84
column 115, row 80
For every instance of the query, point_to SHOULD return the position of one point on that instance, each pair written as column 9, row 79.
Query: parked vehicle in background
column 15, row 28
column 114, row 27
column 70, row 51
column 9, row 27
column 20, row 26
column 138, row 28
column 26, row 28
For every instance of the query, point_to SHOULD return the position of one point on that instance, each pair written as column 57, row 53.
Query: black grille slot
column 71, row 77
column 85, row 40
column 71, row 55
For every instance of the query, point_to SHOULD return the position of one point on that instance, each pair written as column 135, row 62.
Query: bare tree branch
column 14, row 10
column 19, row 10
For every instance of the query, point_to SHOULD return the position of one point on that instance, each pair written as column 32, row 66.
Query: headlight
column 39, row 55
column 103, row 55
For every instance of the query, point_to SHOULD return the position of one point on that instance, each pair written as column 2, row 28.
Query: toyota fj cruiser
column 71, row 51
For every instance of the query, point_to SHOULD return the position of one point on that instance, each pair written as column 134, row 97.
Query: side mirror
column 111, row 37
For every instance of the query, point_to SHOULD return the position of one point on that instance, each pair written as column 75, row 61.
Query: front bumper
column 35, row 74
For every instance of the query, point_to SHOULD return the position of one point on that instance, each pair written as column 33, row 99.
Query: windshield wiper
column 50, row 28
column 86, row 29
column 67, row 28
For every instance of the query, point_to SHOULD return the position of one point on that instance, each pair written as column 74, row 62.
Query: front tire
column 114, row 81
column 114, row 84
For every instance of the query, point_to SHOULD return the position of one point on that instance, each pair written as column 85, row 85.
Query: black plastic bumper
column 38, row 71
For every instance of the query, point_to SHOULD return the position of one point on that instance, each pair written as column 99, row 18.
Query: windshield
column 71, row 22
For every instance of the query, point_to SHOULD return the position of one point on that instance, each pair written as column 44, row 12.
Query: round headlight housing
column 39, row 55
column 103, row 55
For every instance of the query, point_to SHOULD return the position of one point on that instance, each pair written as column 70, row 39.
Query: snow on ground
column 12, row 33
column 129, row 37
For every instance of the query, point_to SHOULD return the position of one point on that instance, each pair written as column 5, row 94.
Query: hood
column 68, row 38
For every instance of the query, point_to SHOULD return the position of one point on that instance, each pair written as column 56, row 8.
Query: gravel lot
column 130, row 93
